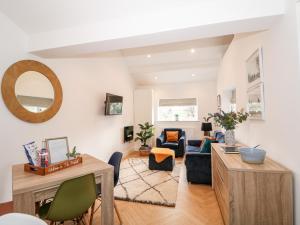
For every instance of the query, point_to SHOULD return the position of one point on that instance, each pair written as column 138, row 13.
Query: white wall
column 206, row 95
column 143, row 110
column 81, row 117
column 279, row 133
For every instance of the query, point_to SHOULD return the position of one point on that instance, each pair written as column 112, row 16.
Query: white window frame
column 196, row 118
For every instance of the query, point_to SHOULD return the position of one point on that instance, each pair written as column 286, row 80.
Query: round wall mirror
column 31, row 91
column 34, row 91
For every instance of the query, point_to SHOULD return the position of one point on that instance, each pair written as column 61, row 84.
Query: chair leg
column 118, row 214
column 92, row 213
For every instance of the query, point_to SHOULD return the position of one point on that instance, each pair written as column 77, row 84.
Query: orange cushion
column 172, row 136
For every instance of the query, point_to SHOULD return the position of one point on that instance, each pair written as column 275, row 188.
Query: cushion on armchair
column 171, row 145
column 172, row 136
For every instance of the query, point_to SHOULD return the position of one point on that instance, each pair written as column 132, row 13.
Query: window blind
column 178, row 102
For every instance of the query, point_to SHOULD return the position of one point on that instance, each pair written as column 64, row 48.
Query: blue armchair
column 178, row 147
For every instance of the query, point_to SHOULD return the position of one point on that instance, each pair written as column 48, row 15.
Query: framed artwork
column 58, row 149
column 254, row 67
column 256, row 104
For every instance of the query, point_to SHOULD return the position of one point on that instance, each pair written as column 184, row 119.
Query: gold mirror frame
column 8, row 91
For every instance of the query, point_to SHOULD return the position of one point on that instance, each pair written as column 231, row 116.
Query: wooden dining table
column 29, row 188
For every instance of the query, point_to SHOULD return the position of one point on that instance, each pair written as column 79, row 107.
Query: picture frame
column 57, row 149
column 254, row 68
column 255, row 102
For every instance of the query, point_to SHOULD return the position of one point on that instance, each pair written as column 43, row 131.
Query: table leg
column 107, row 197
column 24, row 203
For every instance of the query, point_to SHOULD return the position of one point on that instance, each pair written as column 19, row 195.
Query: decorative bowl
column 253, row 155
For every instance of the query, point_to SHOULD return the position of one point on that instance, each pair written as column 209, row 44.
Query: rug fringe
column 147, row 202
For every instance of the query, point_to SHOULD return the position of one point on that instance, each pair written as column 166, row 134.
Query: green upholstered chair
column 72, row 200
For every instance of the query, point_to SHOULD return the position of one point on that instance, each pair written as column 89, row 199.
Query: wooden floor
column 196, row 205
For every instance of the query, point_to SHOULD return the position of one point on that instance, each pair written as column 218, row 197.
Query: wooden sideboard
column 250, row 194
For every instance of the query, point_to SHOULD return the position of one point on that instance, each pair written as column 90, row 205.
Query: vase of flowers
column 229, row 137
column 229, row 121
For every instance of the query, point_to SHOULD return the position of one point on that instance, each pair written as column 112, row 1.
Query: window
column 185, row 109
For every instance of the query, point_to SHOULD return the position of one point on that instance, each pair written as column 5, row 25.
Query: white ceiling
column 35, row 16
column 191, row 61
column 67, row 28
column 74, row 28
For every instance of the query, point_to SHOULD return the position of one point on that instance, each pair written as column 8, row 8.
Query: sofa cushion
column 206, row 147
column 191, row 148
column 219, row 137
column 172, row 145
column 172, row 136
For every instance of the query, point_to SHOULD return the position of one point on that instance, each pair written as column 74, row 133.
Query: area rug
column 139, row 184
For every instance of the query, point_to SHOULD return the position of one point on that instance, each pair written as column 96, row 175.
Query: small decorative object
column 255, row 105
column 53, row 167
column 58, row 149
column 176, row 117
column 228, row 121
column 254, row 67
column 31, row 151
column 73, row 154
column 44, row 156
column 253, row 155
column 219, row 102
column 206, row 126
column 147, row 131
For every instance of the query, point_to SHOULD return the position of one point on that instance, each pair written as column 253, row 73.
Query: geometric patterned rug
column 139, row 184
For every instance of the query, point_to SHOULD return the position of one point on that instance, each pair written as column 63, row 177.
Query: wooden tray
column 53, row 167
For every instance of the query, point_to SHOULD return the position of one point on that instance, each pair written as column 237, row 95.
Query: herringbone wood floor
column 196, row 205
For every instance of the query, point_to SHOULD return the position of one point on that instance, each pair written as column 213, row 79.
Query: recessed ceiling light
column 155, row 78
column 192, row 50
column 193, row 75
column 149, row 56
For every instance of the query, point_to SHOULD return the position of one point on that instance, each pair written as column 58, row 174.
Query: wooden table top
column 234, row 162
column 23, row 181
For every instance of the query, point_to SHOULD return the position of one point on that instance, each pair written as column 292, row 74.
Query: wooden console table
column 29, row 188
column 251, row 194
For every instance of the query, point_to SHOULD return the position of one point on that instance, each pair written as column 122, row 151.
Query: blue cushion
column 206, row 147
column 191, row 148
column 220, row 137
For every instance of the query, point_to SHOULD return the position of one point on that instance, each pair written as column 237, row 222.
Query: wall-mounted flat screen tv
column 113, row 104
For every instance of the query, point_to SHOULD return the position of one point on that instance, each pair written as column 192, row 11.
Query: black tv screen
column 113, row 104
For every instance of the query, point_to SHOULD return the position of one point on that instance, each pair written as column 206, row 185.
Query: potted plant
column 73, row 154
column 229, row 121
column 146, row 132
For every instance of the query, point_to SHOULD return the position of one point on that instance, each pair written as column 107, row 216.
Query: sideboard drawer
column 219, row 183
column 220, row 169
column 223, row 204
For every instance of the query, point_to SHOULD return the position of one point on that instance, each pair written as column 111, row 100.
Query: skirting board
column 6, row 207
